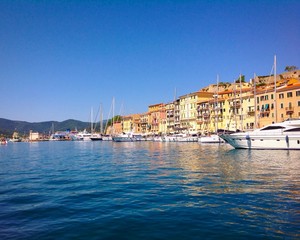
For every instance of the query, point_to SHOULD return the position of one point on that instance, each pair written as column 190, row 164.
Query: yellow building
column 33, row 136
column 144, row 122
column 238, row 108
column 127, row 124
column 188, row 112
column 205, row 101
column 188, row 105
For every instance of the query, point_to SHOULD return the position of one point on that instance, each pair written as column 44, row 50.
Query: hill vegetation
column 7, row 127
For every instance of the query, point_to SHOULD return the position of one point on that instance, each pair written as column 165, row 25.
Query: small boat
column 284, row 135
column 127, row 137
column 15, row 137
column 96, row 137
column 180, row 137
column 213, row 138
column 83, row 136
column 106, row 138
column 3, row 141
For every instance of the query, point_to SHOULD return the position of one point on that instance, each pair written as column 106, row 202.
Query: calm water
column 147, row 190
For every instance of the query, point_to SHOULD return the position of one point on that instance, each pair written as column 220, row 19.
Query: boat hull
column 211, row 139
column 125, row 139
column 248, row 141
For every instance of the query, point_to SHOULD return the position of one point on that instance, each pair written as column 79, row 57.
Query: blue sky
column 60, row 58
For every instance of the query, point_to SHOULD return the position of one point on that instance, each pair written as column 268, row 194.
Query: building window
column 281, row 95
column 298, row 103
column 272, row 106
column 267, row 97
column 289, row 94
column 257, row 100
column 298, row 93
column 272, row 96
column 281, row 105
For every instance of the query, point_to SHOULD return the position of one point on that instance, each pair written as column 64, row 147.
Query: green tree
column 290, row 68
column 242, row 78
column 117, row 118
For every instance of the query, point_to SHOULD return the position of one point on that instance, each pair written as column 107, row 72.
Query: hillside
column 7, row 127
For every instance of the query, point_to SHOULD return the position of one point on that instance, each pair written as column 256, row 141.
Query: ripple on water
column 147, row 190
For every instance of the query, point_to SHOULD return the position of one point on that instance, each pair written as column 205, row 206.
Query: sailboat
column 214, row 138
column 96, row 136
column 284, row 135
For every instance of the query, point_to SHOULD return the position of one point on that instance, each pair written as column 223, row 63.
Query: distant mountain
column 7, row 127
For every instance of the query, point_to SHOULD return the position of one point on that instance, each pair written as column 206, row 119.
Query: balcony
column 235, row 105
column 206, row 115
column 251, row 113
column 289, row 110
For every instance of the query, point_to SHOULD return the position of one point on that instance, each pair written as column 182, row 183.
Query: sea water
column 147, row 190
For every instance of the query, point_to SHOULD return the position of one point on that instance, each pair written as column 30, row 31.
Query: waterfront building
column 116, row 128
column 277, row 108
column 170, row 117
column 144, row 122
column 33, row 136
column 176, row 115
column 156, row 113
column 188, row 103
column 188, row 109
column 205, row 104
column 127, row 124
column 238, row 107
column 136, row 123
column 225, row 106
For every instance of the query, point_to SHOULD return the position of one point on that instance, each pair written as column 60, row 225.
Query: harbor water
column 147, row 190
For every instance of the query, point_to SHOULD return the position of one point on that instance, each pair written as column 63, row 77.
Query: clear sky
column 60, row 58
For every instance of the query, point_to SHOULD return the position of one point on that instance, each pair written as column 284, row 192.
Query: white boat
column 15, row 137
column 213, row 138
column 181, row 137
column 96, row 137
column 284, row 135
column 127, row 137
column 106, row 138
column 83, row 136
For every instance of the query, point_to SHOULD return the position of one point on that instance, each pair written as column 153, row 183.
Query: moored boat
column 127, row 137
column 83, row 136
column 3, row 141
column 213, row 138
column 96, row 137
column 283, row 135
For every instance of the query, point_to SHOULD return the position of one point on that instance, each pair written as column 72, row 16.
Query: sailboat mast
column 101, row 119
column 275, row 89
column 217, row 106
column 235, row 119
column 241, row 99
column 113, row 113
column 92, row 120
column 255, row 103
